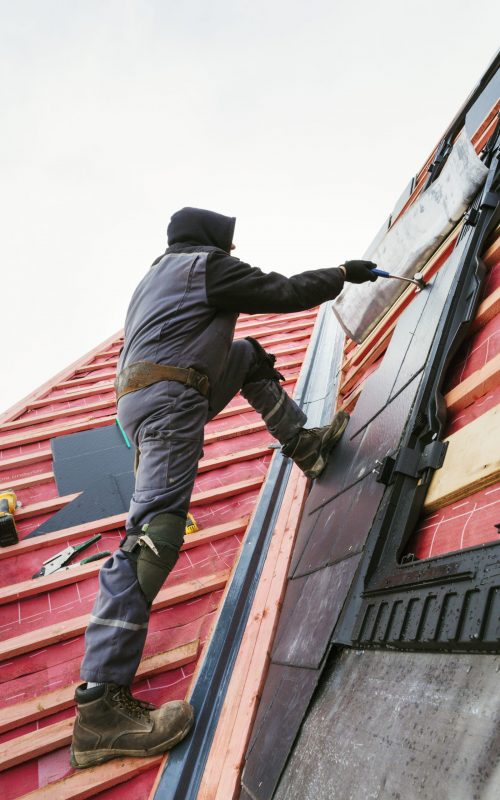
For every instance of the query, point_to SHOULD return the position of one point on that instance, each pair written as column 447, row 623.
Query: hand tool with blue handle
column 417, row 279
column 61, row 559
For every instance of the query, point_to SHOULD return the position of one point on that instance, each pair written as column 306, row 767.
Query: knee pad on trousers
column 264, row 369
column 160, row 542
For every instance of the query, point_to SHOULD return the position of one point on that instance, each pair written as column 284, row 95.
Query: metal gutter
column 316, row 387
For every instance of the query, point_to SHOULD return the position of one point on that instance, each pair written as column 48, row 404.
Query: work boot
column 110, row 722
column 311, row 446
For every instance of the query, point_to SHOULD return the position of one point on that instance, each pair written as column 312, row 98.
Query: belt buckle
column 191, row 378
column 204, row 385
column 198, row 381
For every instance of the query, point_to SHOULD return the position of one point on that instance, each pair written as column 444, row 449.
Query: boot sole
column 91, row 758
column 329, row 444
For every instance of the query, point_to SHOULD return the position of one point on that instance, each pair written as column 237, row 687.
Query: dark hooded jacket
column 184, row 311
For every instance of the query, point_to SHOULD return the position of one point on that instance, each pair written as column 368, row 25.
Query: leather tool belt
column 145, row 373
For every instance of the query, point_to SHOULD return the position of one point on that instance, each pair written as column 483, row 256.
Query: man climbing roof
column 178, row 369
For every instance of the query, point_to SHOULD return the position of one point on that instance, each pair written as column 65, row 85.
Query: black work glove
column 359, row 271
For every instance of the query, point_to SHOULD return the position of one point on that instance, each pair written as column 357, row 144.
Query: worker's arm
column 234, row 285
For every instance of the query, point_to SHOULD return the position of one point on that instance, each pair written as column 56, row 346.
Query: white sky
column 304, row 119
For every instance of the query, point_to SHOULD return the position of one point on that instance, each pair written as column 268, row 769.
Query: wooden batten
column 221, row 775
column 472, row 462
column 45, row 705
column 80, row 572
column 62, row 631
column 41, row 419
column 475, row 386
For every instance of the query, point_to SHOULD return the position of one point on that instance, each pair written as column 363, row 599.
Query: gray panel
column 355, row 456
column 386, row 725
column 437, row 293
column 310, row 612
column 105, row 497
column 342, row 526
column 278, row 730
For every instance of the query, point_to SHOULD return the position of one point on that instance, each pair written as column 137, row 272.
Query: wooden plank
column 288, row 351
column 255, row 322
column 81, row 532
column 296, row 337
column 95, row 367
column 492, row 254
column 63, row 536
column 294, row 362
column 20, row 407
column 221, row 774
column 68, row 629
column 35, row 586
column 205, row 465
column 36, row 743
column 74, row 427
column 213, row 495
column 44, row 705
column 30, row 458
column 54, row 430
column 488, row 309
column 29, row 480
column 76, row 394
column 287, row 328
column 199, row 498
column 274, row 332
column 230, row 433
column 74, row 574
column 475, row 386
column 86, row 783
column 90, row 379
column 25, row 422
column 45, row 506
column 472, row 462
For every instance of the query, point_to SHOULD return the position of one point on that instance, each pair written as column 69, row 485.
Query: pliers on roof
column 63, row 558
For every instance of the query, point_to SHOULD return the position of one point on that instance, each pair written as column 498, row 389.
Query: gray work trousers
column 166, row 423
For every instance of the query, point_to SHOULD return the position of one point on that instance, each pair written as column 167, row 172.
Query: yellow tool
column 191, row 526
column 8, row 505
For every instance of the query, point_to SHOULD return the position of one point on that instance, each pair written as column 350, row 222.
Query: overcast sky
column 305, row 120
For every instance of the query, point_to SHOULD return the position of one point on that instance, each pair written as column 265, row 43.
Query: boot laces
column 136, row 708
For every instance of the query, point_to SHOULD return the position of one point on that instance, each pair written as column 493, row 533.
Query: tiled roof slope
column 42, row 621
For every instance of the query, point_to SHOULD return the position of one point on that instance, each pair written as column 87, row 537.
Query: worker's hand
column 359, row 271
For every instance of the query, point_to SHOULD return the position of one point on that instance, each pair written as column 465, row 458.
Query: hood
column 196, row 226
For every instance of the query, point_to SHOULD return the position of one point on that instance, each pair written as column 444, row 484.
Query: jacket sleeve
column 233, row 285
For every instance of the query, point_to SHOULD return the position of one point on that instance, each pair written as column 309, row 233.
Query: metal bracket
column 410, row 462
column 471, row 216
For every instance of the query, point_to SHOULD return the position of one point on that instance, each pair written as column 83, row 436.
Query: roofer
column 178, row 369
